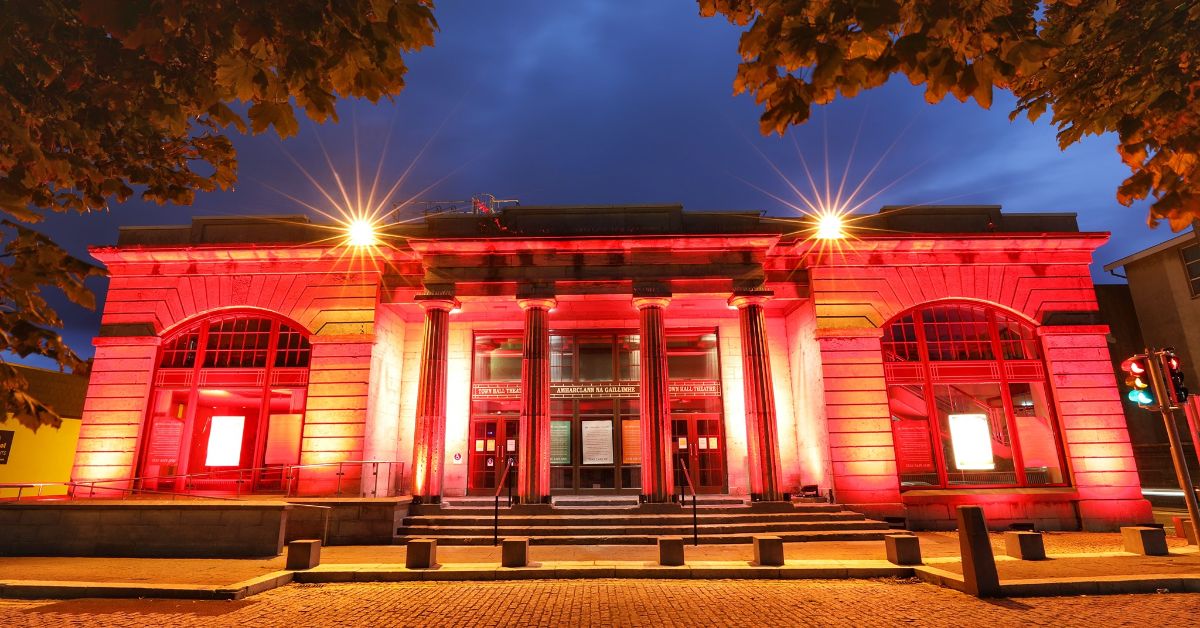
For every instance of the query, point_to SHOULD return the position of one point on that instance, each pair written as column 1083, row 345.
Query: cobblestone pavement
column 615, row 602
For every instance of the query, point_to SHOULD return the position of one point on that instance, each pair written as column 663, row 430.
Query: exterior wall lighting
column 830, row 226
column 361, row 232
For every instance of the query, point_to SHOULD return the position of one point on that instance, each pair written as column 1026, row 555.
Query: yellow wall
column 42, row 456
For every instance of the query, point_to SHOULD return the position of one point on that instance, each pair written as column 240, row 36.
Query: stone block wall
column 351, row 521
column 143, row 529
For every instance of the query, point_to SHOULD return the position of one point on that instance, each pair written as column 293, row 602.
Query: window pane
column 238, row 343
column 562, row 358
column 915, row 457
column 692, row 356
column 1035, row 430
column 974, row 433
column 900, row 341
column 629, row 356
column 498, row 358
column 181, row 352
column 956, row 333
column 595, row 358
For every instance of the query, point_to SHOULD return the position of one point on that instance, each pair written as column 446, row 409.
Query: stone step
column 440, row 509
column 642, row 530
column 579, row 501
column 709, row 539
column 566, row 520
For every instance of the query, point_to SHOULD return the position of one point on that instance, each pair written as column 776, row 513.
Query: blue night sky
column 623, row 102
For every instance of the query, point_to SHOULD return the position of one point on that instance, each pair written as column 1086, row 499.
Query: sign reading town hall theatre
column 605, row 390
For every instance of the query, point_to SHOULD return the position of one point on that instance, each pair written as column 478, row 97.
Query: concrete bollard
column 902, row 549
column 1144, row 540
column 670, row 550
column 303, row 554
column 979, row 564
column 421, row 554
column 1180, row 529
column 768, row 550
column 1024, row 545
column 514, row 552
column 1189, row 532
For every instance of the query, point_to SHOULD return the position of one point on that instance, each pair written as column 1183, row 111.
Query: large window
column 969, row 401
column 227, row 410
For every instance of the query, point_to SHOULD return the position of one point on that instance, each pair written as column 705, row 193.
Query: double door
column 494, row 443
column 697, row 443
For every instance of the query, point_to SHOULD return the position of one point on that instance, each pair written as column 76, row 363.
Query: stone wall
column 143, row 529
column 351, row 521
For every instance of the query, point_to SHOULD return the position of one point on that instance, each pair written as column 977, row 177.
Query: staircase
column 466, row 521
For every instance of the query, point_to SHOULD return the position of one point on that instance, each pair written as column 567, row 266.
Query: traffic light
column 1173, row 378
column 1138, row 379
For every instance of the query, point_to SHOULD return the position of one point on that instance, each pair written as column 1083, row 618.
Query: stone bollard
column 1024, row 545
column 303, row 554
column 768, row 550
column 1144, row 540
column 979, row 565
column 670, row 550
column 1178, row 522
column 902, row 549
column 514, row 552
column 1189, row 532
column 421, row 554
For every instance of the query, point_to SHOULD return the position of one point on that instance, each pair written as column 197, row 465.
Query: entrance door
column 699, row 443
column 493, row 443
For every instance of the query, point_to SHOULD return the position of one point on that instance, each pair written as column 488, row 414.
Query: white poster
column 225, row 441
column 972, row 439
column 597, row 442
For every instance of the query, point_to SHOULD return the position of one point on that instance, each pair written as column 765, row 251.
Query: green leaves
column 1100, row 66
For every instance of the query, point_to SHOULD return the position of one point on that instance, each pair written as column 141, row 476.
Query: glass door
column 698, row 442
column 494, row 441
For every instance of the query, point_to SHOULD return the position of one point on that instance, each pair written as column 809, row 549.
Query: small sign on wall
column 6, row 441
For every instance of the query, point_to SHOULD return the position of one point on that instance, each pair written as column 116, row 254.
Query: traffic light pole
column 1181, row 470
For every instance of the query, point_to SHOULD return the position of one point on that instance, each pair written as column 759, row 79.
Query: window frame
column 1193, row 282
column 1004, row 377
column 192, row 374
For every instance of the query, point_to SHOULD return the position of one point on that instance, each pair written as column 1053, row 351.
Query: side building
column 931, row 357
column 1164, row 290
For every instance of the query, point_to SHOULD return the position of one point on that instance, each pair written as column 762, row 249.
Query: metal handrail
column 508, row 465
column 289, row 475
column 695, row 517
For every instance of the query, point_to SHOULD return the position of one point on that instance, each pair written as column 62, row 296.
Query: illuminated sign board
column 971, row 436
column 598, row 390
column 225, row 441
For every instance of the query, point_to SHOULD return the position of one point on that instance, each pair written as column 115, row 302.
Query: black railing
column 695, row 517
column 504, row 481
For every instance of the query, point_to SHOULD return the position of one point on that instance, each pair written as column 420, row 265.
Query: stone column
column 533, row 466
column 762, row 430
column 658, row 480
column 429, row 439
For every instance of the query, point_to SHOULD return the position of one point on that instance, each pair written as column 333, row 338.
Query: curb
column 59, row 590
column 551, row 571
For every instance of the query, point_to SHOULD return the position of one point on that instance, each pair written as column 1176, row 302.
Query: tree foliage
column 1099, row 66
column 102, row 99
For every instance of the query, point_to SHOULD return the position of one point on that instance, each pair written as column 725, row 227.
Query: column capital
column 545, row 303
column 642, row 303
column 745, row 298
column 436, row 302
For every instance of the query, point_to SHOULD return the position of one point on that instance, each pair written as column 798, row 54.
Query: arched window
column 969, row 399
column 227, row 408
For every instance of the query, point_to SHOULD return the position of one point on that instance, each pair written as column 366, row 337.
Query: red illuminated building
column 937, row 356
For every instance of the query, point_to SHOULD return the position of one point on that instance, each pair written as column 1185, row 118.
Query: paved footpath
column 615, row 602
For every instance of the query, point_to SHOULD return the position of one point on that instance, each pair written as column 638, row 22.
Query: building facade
column 936, row 356
column 1164, row 292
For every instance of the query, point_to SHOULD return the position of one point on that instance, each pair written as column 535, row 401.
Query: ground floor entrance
column 595, row 423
